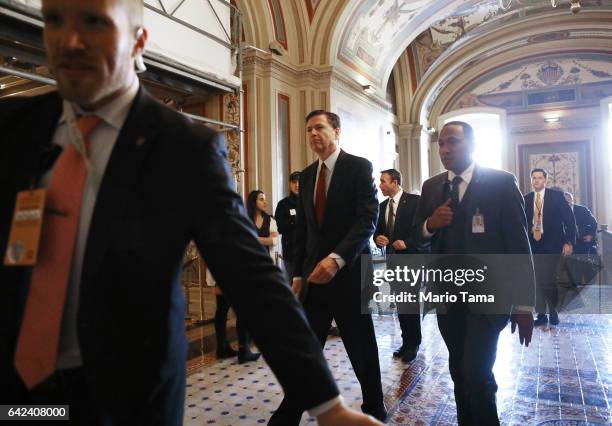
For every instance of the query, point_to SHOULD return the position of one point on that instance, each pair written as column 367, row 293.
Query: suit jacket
column 586, row 225
column 495, row 195
column 404, row 216
column 559, row 223
column 167, row 182
column 348, row 222
column 287, row 224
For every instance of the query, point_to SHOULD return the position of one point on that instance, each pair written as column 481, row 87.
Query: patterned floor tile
column 563, row 378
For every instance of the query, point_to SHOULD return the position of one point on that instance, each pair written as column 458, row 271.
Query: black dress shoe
column 541, row 320
column 410, row 354
column 399, row 352
column 380, row 414
column 245, row 355
column 554, row 318
column 226, row 352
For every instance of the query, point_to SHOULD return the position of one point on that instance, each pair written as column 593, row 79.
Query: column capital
column 409, row 130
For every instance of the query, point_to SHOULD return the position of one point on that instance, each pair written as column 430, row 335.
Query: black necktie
column 390, row 218
column 454, row 193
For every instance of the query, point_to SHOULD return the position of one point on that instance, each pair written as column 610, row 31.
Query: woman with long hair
column 264, row 222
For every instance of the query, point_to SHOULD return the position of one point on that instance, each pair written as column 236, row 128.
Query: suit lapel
column 310, row 175
column 529, row 207
column 133, row 143
column 383, row 213
column 39, row 141
column 334, row 186
column 399, row 212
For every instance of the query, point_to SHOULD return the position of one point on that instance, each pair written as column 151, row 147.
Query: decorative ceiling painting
column 375, row 29
column 587, row 76
column 475, row 17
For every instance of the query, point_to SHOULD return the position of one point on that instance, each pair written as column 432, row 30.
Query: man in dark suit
column 552, row 234
column 475, row 210
column 337, row 211
column 395, row 216
column 285, row 215
column 585, row 251
column 114, row 231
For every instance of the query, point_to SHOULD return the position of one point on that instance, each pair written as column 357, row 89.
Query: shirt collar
column 330, row 162
column 466, row 175
column 541, row 192
column 397, row 197
column 114, row 113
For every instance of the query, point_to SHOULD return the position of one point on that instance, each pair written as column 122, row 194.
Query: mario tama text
column 433, row 281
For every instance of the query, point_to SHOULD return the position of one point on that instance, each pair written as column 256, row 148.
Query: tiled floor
column 563, row 378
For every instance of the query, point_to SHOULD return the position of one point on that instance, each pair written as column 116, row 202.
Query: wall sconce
column 553, row 119
column 368, row 88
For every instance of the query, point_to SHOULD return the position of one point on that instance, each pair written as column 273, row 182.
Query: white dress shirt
column 101, row 143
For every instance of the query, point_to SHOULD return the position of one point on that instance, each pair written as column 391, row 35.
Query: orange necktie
column 37, row 345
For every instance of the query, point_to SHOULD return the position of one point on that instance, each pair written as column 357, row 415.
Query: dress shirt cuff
column 326, row 406
column 523, row 308
column 338, row 260
column 296, row 278
column 426, row 233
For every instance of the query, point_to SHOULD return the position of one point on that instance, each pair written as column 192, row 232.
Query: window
column 488, row 134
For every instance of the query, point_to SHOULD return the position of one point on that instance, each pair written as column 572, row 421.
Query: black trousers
column 223, row 308
column 324, row 303
column 471, row 340
column 547, row 294
column 410, row 325
column 409, row 317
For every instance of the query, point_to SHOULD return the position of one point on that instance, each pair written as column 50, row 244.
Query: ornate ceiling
column 372, row 34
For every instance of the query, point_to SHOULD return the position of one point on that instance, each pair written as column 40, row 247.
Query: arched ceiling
column 372, row 34
column 528, row 39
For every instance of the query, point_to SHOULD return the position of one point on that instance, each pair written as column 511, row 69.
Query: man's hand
column 567, row 249
column 441, row 217
column 399, row 245
column 324, row 271
column 525, row 326
column 381, row 240
column 296, row 286
column 587, row 238
column 339, row 415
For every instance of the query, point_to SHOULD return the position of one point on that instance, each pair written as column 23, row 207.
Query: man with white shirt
column 395, row 218
column 552, row 235
column 115, row 168
column 471, row 209
column 336, row 217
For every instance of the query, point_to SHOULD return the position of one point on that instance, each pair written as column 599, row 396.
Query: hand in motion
column 324, row 271
column 343, row 416
column 441, row 217
column 382, row 241
column 524, row 320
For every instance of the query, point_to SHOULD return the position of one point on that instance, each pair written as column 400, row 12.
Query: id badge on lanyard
column 29, row 213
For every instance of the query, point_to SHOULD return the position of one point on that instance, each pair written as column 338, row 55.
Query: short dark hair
column 468, row 131
column 295, row 176
column 394, row 175
column 539, row 169
column 332, row 118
